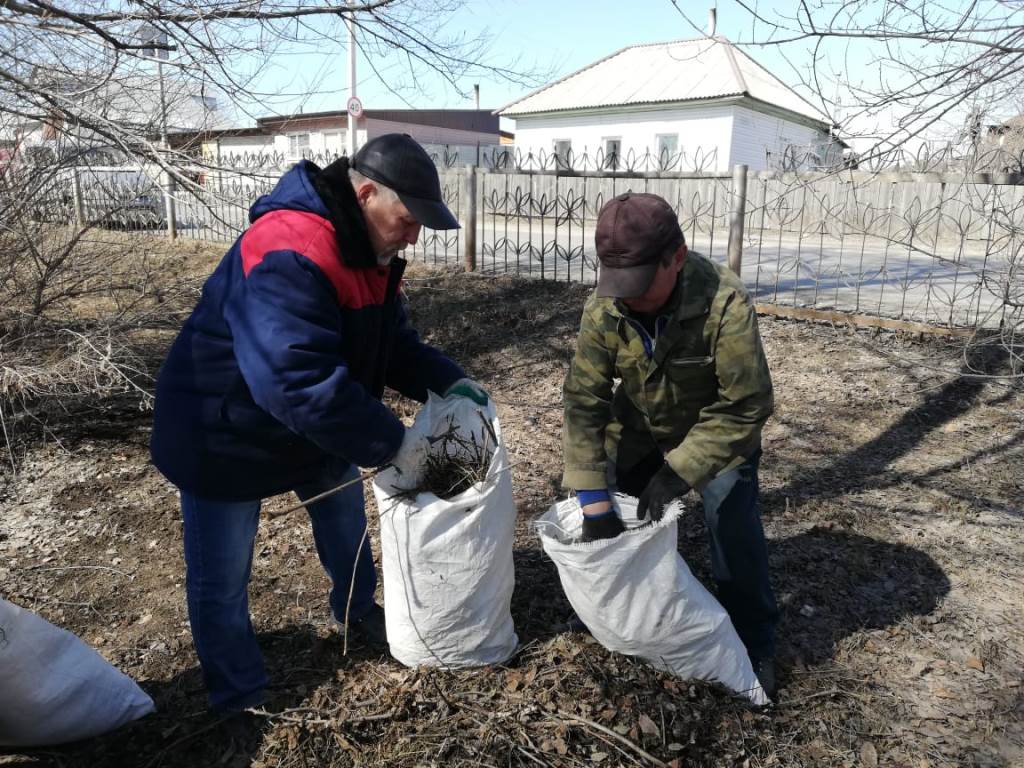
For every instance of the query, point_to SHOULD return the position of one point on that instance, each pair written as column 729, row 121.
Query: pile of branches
column 562, row 703
column 456, row 460
column 66, row 363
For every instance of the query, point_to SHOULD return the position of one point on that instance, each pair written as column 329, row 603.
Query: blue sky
column 552, row 36
column 556, row 37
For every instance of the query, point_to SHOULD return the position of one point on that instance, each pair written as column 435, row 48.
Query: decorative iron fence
column 931, row 241
column 942, row 248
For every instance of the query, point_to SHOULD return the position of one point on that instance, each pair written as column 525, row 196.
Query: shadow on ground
column 183, row 732
column 867, row 466
column 833, row 584
column 830, row 585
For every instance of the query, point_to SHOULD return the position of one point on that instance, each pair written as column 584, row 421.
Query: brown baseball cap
column 634, row 231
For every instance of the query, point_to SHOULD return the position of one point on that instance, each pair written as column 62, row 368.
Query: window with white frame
column 334, row 142
column 298, row 144
column 667, row 145
column 612, row 152
column 563, row 153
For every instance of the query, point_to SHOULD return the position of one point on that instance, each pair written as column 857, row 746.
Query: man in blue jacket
column 274, row 384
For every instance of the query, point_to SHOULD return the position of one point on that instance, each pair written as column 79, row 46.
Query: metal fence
column 937, row 248
column 929, row 242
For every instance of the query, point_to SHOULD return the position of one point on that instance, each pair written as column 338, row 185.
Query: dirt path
column 893, row 501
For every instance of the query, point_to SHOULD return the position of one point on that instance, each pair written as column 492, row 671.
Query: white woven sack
column 637, row 596
column 447, row 563
column 54, row 688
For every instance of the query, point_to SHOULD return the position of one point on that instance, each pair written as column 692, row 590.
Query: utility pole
column 159, row 37
column 349, row 17
column 170, row 212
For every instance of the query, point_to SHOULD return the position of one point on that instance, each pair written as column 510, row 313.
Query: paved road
column 855, row 274
column 858, row 274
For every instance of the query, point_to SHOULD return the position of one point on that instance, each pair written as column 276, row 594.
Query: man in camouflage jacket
column 668, row 391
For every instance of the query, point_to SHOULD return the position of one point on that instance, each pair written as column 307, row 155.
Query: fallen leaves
column 973, row 662
column 868, row 755
column 848, row 673
column 647, row 726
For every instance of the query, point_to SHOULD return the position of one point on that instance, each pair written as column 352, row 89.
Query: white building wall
column 428, row 134
column 281, row 143
column 760, row 140
column 333, row 140
column 238, row 145
column 330, row 141
column 704, row 134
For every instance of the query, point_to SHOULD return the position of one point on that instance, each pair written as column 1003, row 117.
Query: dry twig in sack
column 455, row 462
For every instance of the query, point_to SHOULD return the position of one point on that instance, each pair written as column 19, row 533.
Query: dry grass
column 80, row 312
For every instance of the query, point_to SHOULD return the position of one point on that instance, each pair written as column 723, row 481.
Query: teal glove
column 468, row 388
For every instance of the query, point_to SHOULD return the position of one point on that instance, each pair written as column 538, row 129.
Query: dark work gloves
column 604, row 526
column 632, row 480
column 664, row 488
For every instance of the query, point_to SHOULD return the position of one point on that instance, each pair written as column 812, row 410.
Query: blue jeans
column 739, row 556
column 219, row 539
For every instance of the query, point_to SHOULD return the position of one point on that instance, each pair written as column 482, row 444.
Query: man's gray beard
column 383, row 259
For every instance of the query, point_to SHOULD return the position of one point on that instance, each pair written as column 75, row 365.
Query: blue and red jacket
column 275, row 379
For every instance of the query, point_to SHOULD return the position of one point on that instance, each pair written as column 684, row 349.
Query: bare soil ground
column 893, row 499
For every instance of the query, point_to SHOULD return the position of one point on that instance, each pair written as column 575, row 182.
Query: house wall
column 320, row 142
column 428, row 134
column 710, row 138
column 760, row 140
column 238, row 145
column 331, row 138
column 703, row 133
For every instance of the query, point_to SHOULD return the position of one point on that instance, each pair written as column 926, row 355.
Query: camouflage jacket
column 700, row 390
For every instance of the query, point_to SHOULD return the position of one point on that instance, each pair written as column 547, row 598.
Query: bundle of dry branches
column 67, row 363
column 456, row 460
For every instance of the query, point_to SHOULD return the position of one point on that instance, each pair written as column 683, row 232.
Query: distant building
column 463, row 134
column 133, row 104
column 1008, row 138
column 689, row 104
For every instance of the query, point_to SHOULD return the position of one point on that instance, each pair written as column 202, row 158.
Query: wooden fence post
column 737, row 212
column 169, row 207
column 76, row 196
column 469, row 219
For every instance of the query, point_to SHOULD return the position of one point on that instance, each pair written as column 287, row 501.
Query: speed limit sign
column 355, row 106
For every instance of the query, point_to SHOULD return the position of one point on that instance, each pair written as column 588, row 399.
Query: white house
column 463, row 132
column 698, row 104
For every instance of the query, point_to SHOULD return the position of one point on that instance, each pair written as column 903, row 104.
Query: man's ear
column 365, row 191
column 681, row 255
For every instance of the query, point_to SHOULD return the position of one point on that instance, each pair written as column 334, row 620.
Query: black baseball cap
column 634, row 231
column 397, row 161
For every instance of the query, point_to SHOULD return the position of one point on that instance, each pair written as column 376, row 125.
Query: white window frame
column 334, row 141
column 667, row 158
column 561, row 160
column 612, row 160
column 293, row 140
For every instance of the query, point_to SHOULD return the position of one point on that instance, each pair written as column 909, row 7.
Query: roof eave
column 648, row 106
